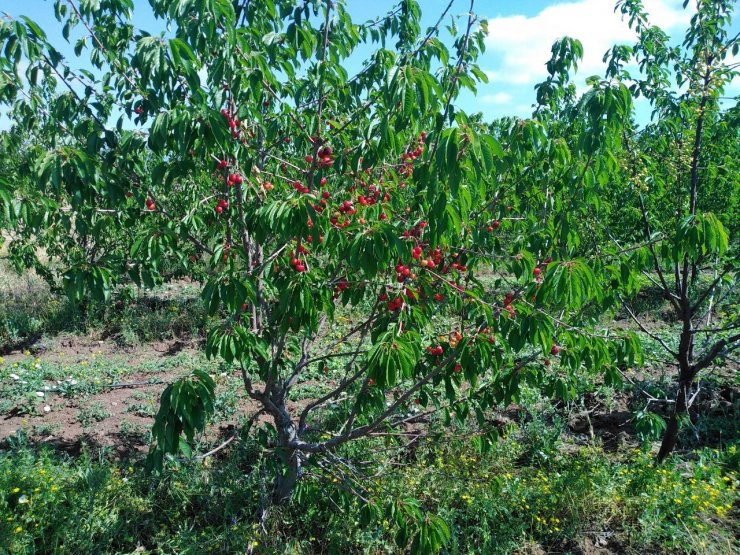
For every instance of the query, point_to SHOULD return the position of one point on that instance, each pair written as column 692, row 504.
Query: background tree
column 681, row 189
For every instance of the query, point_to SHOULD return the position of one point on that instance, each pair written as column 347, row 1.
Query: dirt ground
column 121, row 429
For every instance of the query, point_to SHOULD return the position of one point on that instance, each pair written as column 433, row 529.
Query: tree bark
column 686, row 377
column 670, row 436
column 289, row 471
column 286, row 480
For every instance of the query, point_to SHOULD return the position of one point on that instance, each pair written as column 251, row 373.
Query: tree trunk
column 291, row 459
column 287, row 476
column 670, row 436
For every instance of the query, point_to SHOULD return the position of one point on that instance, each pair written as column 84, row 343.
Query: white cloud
column 497, row 98
column 522, row 43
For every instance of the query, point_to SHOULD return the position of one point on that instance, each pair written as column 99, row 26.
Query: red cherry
column 536, row 272
column 495, row 224
column 555, row 350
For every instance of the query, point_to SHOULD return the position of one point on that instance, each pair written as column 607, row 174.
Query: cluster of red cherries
column 297, row 264
column 324, row 157
column 234, row 179
column 222, row 205
column 407, row 158
column 233, row 122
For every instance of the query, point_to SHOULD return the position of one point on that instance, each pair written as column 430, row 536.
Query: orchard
column 473, row 259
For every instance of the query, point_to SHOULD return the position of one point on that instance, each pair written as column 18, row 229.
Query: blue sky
column 518, row 45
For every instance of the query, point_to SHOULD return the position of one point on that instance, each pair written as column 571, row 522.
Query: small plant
column 146, row 410
column 46, row 429
column 133, row 432
column 92, row 414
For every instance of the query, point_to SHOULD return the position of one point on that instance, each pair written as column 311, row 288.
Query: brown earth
column 123, row 431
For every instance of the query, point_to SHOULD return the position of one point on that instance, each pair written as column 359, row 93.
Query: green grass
column 540, row 487
column 51, row 503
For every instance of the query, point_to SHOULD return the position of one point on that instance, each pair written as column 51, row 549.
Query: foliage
column 491, row 503
column 328, row 190
column 237, row 150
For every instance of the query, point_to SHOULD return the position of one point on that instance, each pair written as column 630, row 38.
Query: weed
column 91, row 414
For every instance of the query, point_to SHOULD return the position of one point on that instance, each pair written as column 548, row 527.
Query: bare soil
column 123, row 431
